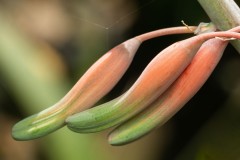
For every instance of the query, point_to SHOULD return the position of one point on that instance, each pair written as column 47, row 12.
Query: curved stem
column 228, row 34
column 166, row 31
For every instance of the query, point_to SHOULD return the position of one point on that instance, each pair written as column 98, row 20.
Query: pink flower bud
column 93, row 85
column 100, row 78
column 176, row 96
column 162, row 71
column 181, row 91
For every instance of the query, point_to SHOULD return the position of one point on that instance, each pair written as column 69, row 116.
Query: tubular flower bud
column 181, row 91
column 162, row 71
column 86, row 92
column 176, row 96
column 100, row 78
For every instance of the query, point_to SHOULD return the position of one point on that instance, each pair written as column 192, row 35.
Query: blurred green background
column 45, row 47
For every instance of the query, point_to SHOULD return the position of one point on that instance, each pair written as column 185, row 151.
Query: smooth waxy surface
column 92, row 86
column 86, row 92
column 174, row 98
column 155, row 79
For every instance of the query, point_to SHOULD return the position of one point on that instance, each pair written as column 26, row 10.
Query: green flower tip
column 25, row 130
column 34, row 127
column 118, row 140
column 77, row 121
column 92, row 120
column 131, row 131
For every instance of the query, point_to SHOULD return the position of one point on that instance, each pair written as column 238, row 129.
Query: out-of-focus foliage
column 34, row 75
column 219, row 138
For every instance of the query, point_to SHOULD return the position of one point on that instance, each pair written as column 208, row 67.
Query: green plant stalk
column 29, row 68
column 34, row 81
column 225, row 14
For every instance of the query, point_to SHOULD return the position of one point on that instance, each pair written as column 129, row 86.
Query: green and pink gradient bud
column 162, row 71
column 176, row 96
column 100, row 78
column 93, row 85
column 155, row 79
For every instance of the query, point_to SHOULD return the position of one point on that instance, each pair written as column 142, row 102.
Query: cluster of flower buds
column 168, row 82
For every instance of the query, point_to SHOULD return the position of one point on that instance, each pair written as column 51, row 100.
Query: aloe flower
column 176, row 96
column 162, row 71
column 155, row 79
column 100, row 78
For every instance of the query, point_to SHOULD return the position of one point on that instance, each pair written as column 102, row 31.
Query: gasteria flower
column 100, row 78
column 162, row 71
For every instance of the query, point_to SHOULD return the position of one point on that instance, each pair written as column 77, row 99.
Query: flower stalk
column 225, row 14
